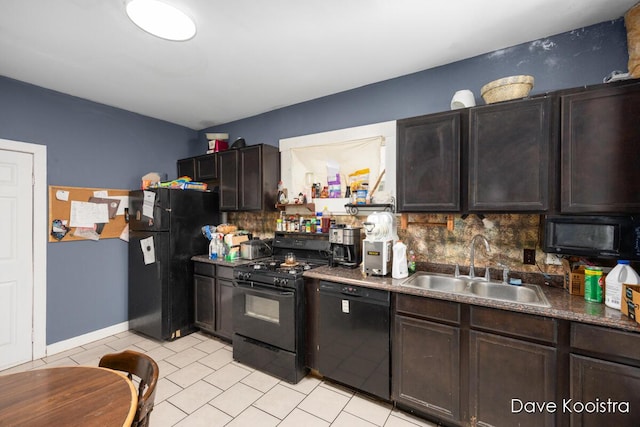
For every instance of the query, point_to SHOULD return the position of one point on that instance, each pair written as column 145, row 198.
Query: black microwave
column 593, row 236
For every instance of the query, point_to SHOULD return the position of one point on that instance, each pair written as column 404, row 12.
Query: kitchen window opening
column 370, row 146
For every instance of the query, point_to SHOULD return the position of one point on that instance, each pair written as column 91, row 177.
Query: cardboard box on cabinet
column 630, row 303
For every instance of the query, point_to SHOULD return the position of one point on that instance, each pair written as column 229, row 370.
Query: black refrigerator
column 165, row 231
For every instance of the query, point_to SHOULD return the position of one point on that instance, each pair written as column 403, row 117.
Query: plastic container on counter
column 399, row 269
column 593, row 284
column 621, row 273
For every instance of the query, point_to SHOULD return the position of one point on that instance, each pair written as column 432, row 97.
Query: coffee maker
column 346, row 244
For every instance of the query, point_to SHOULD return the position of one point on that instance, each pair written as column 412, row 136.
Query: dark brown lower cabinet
column 603, row 393
column 426, row 347
column 205, row 290
column 473, row 366
column 427, row 367
column 213, row 296
column 224, row 299
column 604, row 377
column 510, row 381
column 512, row 368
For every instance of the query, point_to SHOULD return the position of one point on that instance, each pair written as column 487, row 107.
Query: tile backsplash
column 508, row 234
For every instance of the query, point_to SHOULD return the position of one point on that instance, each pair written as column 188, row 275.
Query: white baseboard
column 80, row 340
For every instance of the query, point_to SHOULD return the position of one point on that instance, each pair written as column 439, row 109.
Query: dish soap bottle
column 399, row 268
column 213, row 248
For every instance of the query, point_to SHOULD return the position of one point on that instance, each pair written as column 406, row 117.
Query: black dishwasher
column 353, row 337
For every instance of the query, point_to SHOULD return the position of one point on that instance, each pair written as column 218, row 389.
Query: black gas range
column 268, row 305
column 274, row 270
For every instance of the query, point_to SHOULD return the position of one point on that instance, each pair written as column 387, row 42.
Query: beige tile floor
column 201, row 385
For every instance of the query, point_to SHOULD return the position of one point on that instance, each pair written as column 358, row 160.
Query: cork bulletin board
column 60, row 208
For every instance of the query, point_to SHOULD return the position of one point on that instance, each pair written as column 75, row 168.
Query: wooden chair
column 146, row 370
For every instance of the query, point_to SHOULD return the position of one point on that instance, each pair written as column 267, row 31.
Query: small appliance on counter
column 380, row 228
column 346, row 245
column 255, row 248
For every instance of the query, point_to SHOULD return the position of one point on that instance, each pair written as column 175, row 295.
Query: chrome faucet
column 472, row 253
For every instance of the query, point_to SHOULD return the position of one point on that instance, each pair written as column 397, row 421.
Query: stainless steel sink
column 524, row 294
column 477, row 287
column 436, row 283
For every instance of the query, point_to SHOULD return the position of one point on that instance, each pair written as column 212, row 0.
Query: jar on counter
column 411, row 262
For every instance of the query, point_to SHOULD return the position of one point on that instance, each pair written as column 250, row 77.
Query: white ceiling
column 253, row 56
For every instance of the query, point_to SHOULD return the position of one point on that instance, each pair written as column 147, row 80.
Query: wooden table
column 67, row 396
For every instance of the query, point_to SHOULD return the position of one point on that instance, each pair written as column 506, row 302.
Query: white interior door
column 16, row 257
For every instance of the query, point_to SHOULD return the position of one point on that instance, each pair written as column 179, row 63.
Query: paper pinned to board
column 148, row 202
column 124, row 203
column 62, row 195
column 112, row 204
column 87, row 233
column 148, row 250
column 125, row 233
column 86, row 214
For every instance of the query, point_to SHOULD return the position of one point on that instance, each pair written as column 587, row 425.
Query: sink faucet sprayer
column 505, row 272
column 477, row 237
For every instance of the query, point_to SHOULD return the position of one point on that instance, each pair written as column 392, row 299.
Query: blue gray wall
column 89, row 145
column 92, row 145
column 580, row 57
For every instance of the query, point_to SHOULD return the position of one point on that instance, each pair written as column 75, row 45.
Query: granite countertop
column 563, row 305
column 236, row 262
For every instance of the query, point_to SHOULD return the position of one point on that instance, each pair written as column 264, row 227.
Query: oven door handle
column 255, row 286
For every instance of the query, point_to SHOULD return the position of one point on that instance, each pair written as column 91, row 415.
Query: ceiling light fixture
column 161, row 19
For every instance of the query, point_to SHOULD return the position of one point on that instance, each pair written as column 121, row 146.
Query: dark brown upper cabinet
column 228, row 171
column 249, row 178
column 600, row 150
column 187, row 167
column 428, row 159
column 200, row 168
column 510, row 149
column 207, row 167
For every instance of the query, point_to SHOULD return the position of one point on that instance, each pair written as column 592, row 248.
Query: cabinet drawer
column 515, row 324
column 225, row 272
column 204, row 269
column 605, row 340
column 428, row 308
